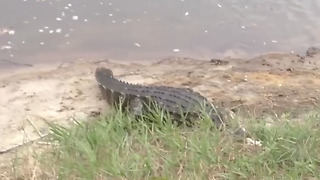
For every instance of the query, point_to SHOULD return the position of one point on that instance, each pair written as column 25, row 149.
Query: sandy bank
column 270, row 83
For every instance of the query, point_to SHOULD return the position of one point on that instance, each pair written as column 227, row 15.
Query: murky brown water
column 56, row 30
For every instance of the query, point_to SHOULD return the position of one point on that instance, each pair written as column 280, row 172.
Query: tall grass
column 116, row 146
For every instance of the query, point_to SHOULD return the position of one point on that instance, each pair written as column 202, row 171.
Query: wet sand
column 269, row 84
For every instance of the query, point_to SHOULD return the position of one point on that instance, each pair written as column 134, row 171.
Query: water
column 63, row 30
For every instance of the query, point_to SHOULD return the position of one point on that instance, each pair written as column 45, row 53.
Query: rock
column 312, row 51
column 218, row 62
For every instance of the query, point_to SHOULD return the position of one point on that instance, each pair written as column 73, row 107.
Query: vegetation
column 114, row 146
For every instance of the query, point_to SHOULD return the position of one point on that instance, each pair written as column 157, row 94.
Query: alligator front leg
column 136, row 106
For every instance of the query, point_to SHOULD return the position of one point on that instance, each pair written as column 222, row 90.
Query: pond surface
column 64, row 30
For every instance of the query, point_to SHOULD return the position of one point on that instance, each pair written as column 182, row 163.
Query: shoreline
column 272, row 83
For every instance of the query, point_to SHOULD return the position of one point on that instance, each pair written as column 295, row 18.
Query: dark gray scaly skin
column 174, row 100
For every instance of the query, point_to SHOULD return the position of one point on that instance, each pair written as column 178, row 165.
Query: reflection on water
column 57, row 30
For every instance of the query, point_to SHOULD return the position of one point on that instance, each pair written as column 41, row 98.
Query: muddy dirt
column 273, row 83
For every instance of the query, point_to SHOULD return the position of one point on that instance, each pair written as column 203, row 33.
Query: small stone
column 312, row 51
column 218, row 62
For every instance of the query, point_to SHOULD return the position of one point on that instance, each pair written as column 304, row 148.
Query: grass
column 114, row 146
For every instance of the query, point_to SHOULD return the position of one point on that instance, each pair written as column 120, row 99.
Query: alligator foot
column 136, row 106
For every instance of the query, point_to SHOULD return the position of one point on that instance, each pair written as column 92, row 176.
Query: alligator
column 179, row 102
